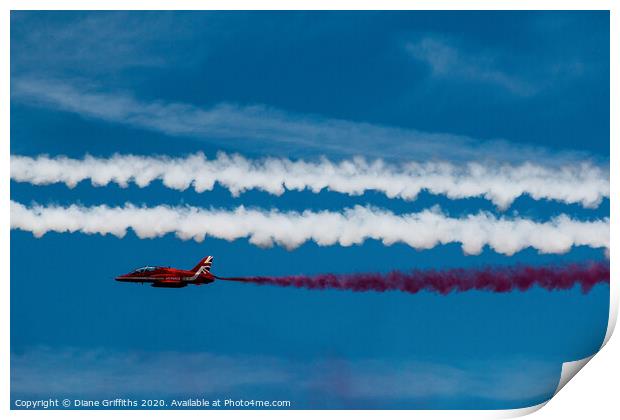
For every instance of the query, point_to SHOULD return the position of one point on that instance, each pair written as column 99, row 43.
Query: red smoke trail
column 498, row 280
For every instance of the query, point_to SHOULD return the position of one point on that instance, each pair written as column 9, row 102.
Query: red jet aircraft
column 172, row 277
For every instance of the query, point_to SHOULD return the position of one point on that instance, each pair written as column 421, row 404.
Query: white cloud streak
column 276, row 131
column 447, row 61
column 502, row 184
column 353, row 226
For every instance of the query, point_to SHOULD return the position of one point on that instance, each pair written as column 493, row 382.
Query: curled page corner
column 519, row 412
column 569, row 370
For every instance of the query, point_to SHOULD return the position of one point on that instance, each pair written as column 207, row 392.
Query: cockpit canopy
column 144, row 269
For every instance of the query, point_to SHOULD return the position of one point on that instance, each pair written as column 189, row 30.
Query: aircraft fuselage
column 171, row 277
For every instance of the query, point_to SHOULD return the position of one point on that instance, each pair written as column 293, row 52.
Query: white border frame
column 593, row 394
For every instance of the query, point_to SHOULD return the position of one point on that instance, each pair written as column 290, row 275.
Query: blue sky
column 401, row 86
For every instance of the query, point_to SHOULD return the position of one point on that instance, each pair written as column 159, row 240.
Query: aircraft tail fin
column 204, row 265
